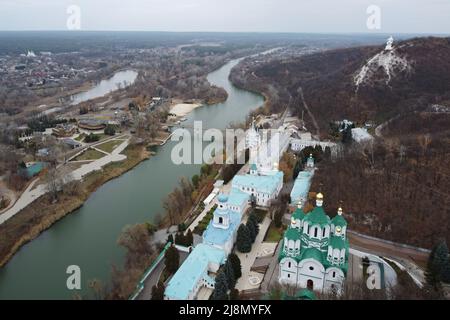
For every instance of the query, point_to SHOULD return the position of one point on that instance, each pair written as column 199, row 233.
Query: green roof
column 305, row 294
column 312, row 253
column 317, row 216
column 338, row 243
column 292, row 234
column 339, row 220
column 298, row 214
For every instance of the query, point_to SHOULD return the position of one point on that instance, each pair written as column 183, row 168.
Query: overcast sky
column 397, row 16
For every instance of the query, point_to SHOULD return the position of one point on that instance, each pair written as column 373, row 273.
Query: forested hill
column 362, row 83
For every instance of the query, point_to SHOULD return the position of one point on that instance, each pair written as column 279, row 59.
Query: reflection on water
column 120, row 80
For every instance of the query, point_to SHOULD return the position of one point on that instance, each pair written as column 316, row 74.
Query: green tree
column 172, row 259
column 229, row 272
column 236, row 263
column 180, row 239
column 221, row 287
column 195, row 180
column 252, row 225
column 435, row 265
column 189, row 238
column 243, row 240
column 110, row 130
column 158, row 291
column 205, row 170
column 278, row 218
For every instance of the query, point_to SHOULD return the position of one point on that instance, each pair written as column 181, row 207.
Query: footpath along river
column 87, row 237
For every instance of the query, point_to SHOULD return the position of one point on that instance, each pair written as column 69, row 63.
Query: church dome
column 298, row 214
column 223, row 198
column 317, row 217
column 339, row 220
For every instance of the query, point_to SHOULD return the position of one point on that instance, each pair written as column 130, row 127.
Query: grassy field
column 109, row 146
column 274, row 234
column 80, row 137
column 89, row 154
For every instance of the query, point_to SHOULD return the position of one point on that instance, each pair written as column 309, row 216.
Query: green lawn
column 109, row 146
column 89, row 154
column 81, row 137
column 274, row 234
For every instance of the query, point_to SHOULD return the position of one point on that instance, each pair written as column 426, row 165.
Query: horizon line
column 375, row 33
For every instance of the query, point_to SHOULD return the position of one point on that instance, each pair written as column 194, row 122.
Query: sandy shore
column 182, row 109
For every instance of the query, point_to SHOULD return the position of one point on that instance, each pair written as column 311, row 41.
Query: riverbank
column 183, row 109
column 88, row 237
column 33, row 220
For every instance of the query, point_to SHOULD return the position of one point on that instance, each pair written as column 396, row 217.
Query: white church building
column 315, row 250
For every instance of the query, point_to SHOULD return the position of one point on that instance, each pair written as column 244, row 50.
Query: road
column 412, row 260
column 153, row 278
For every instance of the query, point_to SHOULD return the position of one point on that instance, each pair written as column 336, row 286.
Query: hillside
column 363, row 83
column 398, row 187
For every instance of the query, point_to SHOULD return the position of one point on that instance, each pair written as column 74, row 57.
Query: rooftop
column 265, row 184
column 192, row 270
column 301, row 186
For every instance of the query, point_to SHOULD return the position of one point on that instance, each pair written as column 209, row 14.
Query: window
column 315, row 232
column 289, row 264
column 220, row 220
column 323, row 233
column 311, row 268
column 334, row 274
column 289, row 275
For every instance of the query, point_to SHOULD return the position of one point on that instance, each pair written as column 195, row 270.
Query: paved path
column 409, row 258
column 247, row 259
column 31, row 194
column 390, row 276
column 271, row 276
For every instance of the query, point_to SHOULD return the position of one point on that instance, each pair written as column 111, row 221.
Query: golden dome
column 319, row 196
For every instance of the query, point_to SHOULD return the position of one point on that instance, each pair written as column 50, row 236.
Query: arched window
column 323, row 233
column 220, row 220
column 334, row 274
column 315, row 232
column 289, row 264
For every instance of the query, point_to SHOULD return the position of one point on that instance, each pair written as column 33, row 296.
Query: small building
column 361, row 135
column 301, row 187
column 73, row 144
column 92, row 124
column 64, row 130
column 44, row 152
column 264, row 188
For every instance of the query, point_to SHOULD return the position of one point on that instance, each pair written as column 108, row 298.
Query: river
column 121, row 79
column 87, row 237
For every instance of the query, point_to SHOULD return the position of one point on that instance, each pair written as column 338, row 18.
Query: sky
column 318, row 16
